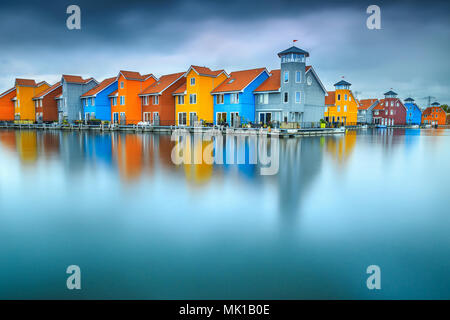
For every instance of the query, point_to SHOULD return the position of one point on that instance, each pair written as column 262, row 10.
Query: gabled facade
column 234, row 98
column 292, row 94
column 341, row 105
column 413, row 112
column 434, row 115
column 390, row 111
column 126, row 104
column 157, row 101
column 196, row 103
column 46, row 104
column 365, row 110
column 26, row 89
column 70, row 107
column 7, row 104
column 96, row 102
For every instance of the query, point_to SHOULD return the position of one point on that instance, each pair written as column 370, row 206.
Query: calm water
column 141, row 227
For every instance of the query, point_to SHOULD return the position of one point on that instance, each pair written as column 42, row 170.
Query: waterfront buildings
column 434, row 115
column 390, row 111
column 26, row 89
column 46, row 104
column 70, row 107
column 293, row 93
column 157, row 100
column 341, row 105
column 96, row 102
column 193, row 99
column 126, row 103
column 234, row 101
column 413, row 112
column 365, row 110
column 7, row 104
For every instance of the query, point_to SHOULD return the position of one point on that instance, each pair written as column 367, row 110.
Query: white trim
column 7, row 92
column 318, row 79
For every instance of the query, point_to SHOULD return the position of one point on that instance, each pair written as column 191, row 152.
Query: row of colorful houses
column 291, row 94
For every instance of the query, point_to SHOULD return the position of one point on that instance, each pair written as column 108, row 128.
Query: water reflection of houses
column 72, row 150
column 98, row 147
column 127, row 148
column 340, row 147
column 8, row 139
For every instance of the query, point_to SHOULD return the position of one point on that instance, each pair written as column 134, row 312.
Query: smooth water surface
column 141, row 227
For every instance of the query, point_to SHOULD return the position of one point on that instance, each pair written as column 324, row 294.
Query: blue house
column 234, row 98
column 413, row 112
column 96, row 103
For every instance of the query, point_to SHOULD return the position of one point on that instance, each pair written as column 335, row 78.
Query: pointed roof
column 100, row 87
column 239, row 80
column 180, row 90
column 365, row 104
column 293, row 49
column 205, row 71
column 76, row 79
column 162, row 84
column 272, row 83
column 25, row 82
column 113, row 94
column 435, row 104
column 390, row 93
column 342, row 83
column 7, row 91
column 47, row 91
column 409, row 100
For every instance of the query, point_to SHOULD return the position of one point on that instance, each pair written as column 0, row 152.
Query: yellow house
column 24, row 106
column 193, row 99
column 341, row 105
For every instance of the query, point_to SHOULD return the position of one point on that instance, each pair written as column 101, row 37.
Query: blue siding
column 102, row 104
column 246, row 105
column 413, row 114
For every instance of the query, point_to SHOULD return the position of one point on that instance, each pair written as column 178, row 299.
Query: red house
column 390, row 111
column 46, row 103
column 7, row 105
column 158, row 104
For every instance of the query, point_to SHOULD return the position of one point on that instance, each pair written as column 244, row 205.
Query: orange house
column 125, row 102
column 7, row 104
column 434, row 115
column 26, row 89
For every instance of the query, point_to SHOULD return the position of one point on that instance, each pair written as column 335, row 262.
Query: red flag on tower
column 294, row 40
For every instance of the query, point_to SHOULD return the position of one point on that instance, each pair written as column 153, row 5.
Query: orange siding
column 7, row 106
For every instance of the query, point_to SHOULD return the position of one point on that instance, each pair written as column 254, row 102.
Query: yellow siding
column 25, row 104
column 351, row 115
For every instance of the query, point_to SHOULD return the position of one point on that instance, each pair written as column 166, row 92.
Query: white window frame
column 155, row 100
column 145, row 98
column 234, row 98
column 185, row 118
column 299, row 94
column 122, row 100
column 285, row 94
column 345, row 108
column 192, row 81
column 193, row 96
column 179, row 99
column 286, row 73
column 121, row 85
column 220, row 98
column 298, row 73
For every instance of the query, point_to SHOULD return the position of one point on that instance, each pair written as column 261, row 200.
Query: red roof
column 181, row 89
column 238, row 80
column 25, row 82
column 365, row 104
column 205, row 71
column 133, row 75
column 162, row 84
column 112, row 94
column 272, row 83
column 7, row 91
column 102, row 85
column 330, row 99
column 75, row 79
column 43, row 93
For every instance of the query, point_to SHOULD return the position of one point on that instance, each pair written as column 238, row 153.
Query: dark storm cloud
column 409, row 54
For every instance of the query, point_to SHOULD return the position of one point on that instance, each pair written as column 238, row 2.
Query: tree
column 446, row 108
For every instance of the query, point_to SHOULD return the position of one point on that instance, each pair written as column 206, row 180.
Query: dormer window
column 192, row 81
column 231, row 81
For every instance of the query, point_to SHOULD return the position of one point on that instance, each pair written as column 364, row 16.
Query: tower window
column 345, row 97
column 298, row 76
column 297, row 97
column 286, row 76
column 286, row 97
column 339, row 97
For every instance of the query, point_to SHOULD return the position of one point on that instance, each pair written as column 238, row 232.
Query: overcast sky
column 409, row 54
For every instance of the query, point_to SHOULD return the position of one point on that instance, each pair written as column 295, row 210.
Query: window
column 180, row 99
column 263, row 98
column 286, row 76
column 349, row 98
column 221, row 117
column 345, row 97
column 286, row 97
column 114, row 101
column 398, row 104
column 338, row 108
column 298, row 76
column 193, row 98
column 392, row 112
column 155, row 99
column 36, row 104
column 122, row 100
column 345, row 108
column 392, row 103
column 326, row 109
column 92, row 102
column 192, row 81
column 297, row 97
column 234, row 98
column 339, row 97
column 145, row 100
column 219, row 99
column 85, row 102
column 121, row 84
column 147, row 116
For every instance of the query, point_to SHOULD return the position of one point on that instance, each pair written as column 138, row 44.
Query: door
column 115, row 117
column 192, row 118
